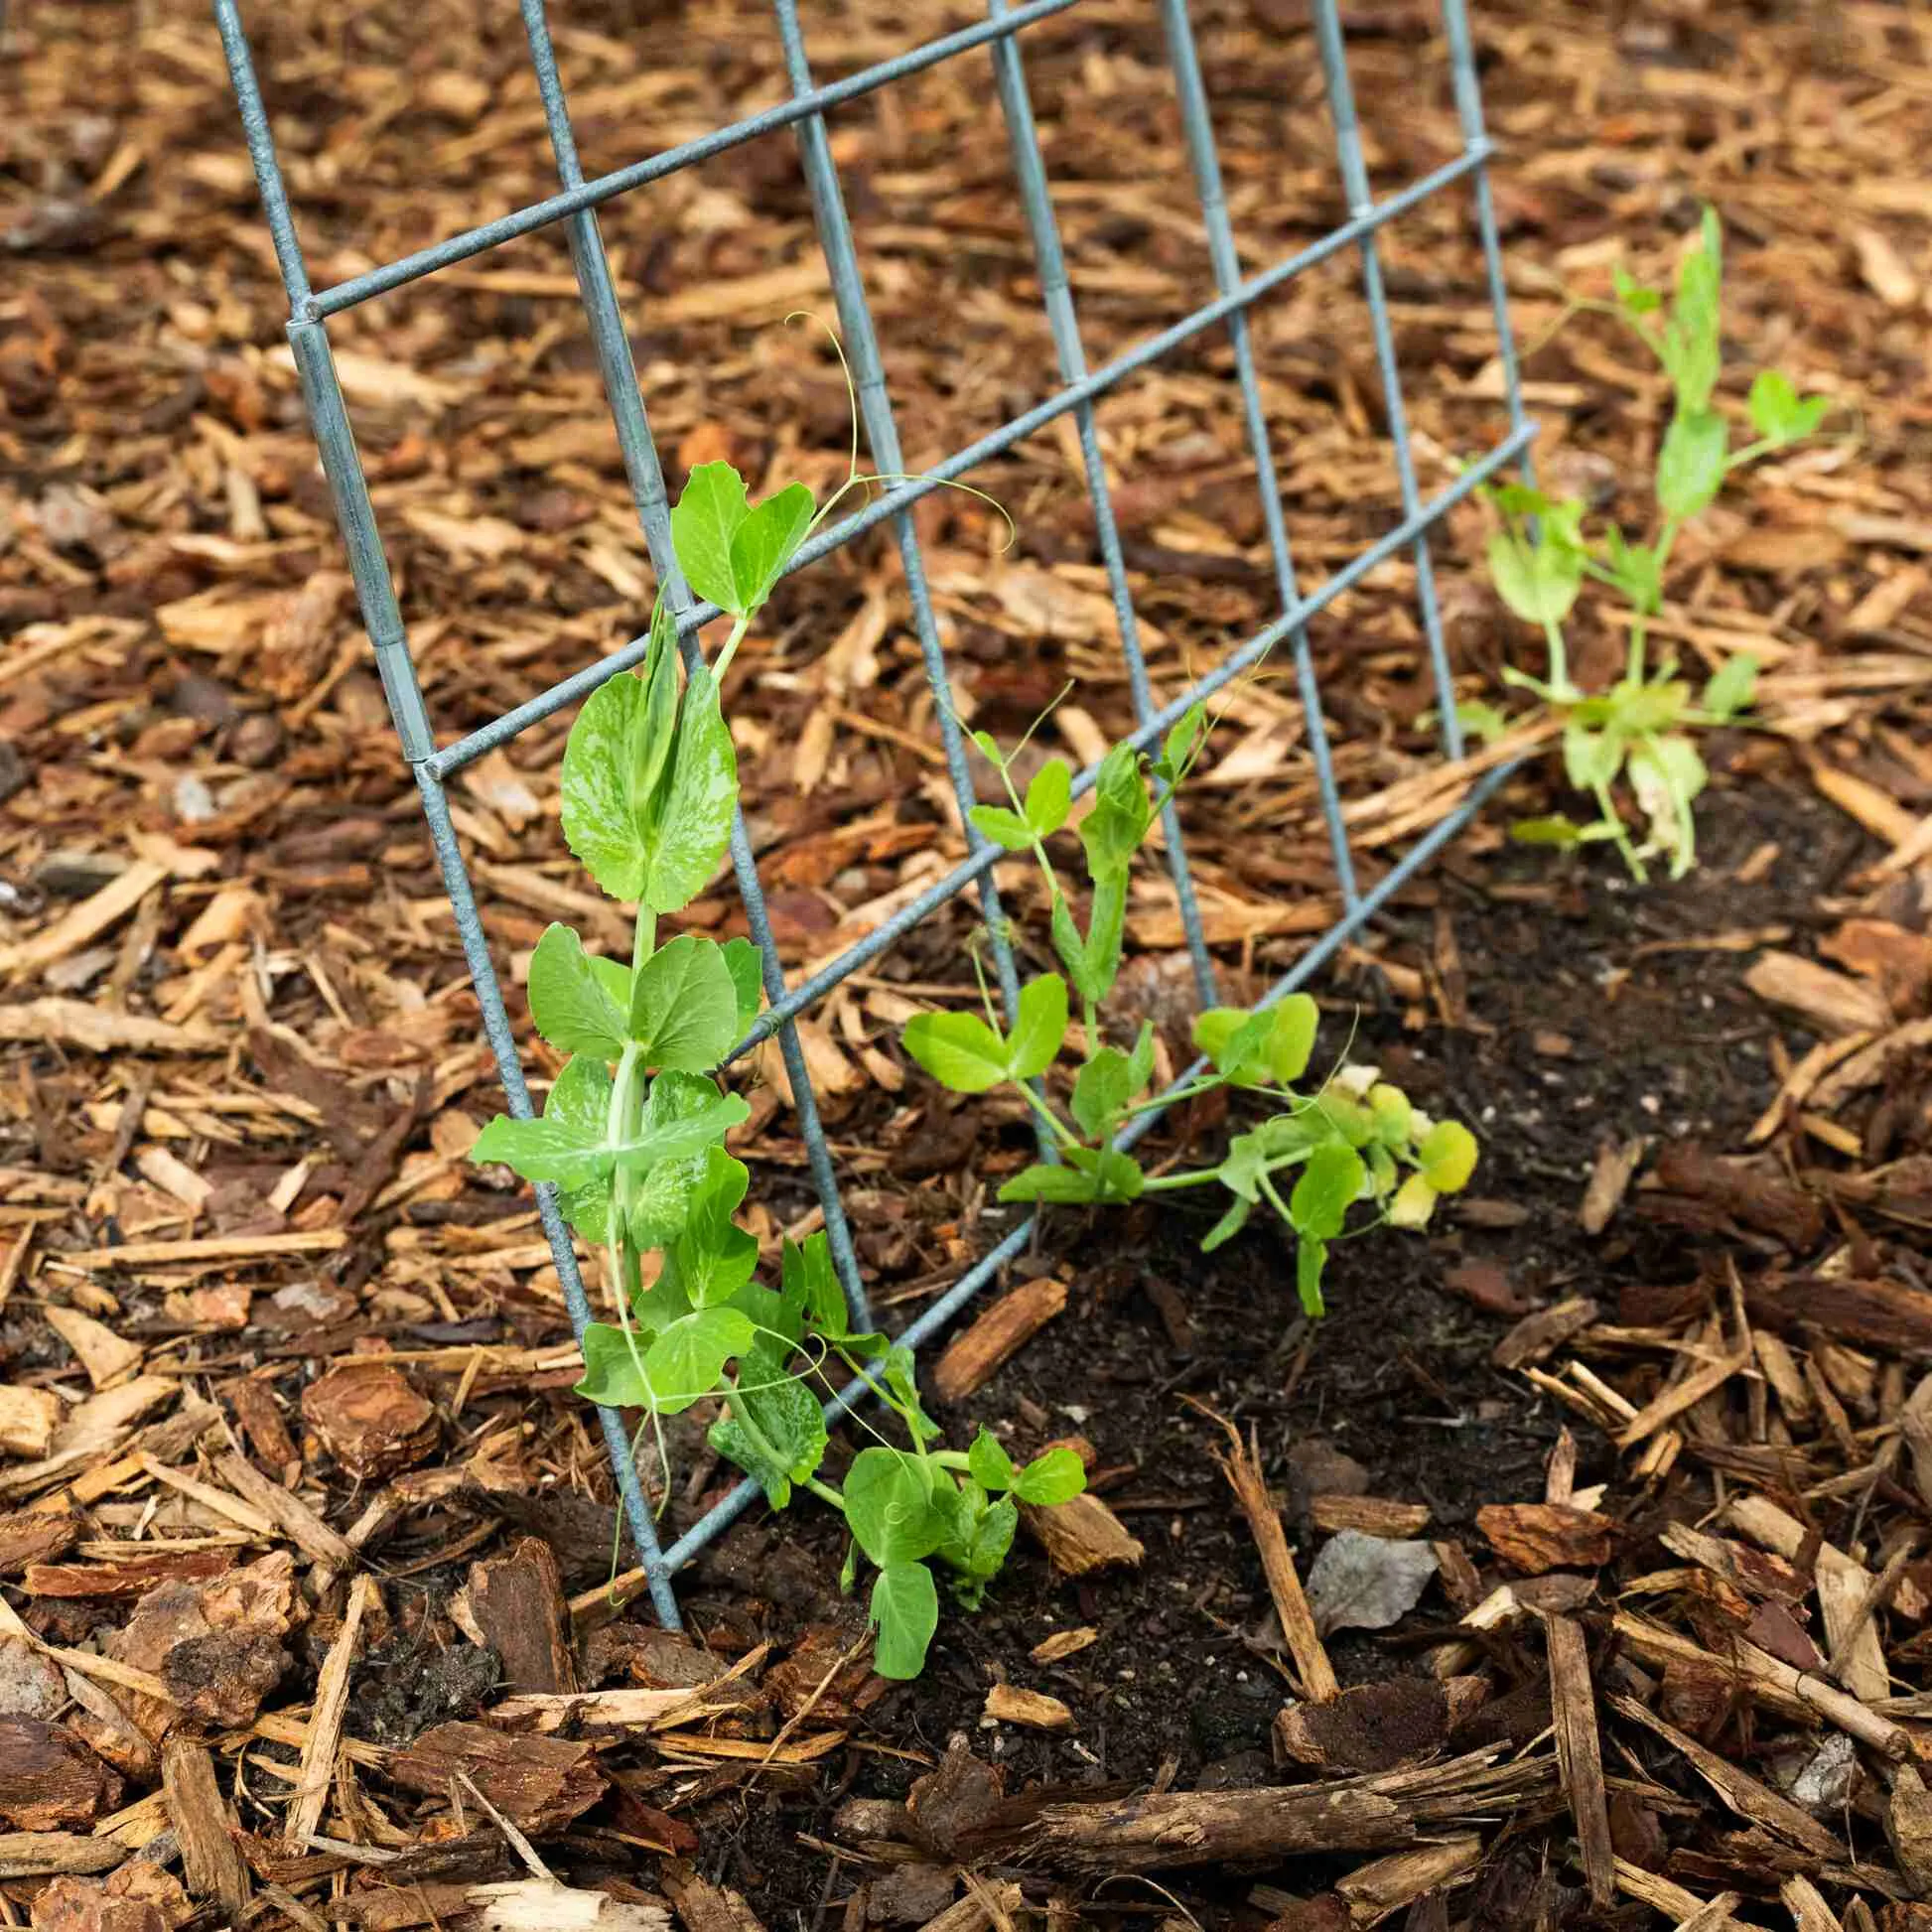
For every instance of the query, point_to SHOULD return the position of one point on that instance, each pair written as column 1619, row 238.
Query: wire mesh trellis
column 575, row 205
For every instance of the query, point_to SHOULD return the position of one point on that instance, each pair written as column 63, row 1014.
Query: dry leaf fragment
column 1366, row 1582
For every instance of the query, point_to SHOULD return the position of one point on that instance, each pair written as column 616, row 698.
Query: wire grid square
column 1079, row 385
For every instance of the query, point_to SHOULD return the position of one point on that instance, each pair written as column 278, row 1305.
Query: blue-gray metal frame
column 575, row 207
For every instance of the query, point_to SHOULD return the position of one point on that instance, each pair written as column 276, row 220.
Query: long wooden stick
column 326, row 1722
column 1242, row 1467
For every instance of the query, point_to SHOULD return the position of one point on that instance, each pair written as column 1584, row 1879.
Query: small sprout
column 1353, row 1148
column 1633, row 741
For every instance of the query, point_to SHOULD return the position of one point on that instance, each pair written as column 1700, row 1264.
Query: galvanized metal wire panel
column 1080, row 389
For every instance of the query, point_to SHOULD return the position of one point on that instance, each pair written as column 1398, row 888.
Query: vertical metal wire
column 1029, row 167
column 1203, row 152
column 1476, row 136
column 641, row 461
column 882, row 438
column 1354, row 178
column 375, row 592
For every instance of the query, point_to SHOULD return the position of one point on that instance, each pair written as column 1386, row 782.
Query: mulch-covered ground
column 1613, row 1499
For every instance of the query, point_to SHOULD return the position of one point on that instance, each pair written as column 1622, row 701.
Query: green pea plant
column 1639, row 730
column 1353, row 1138
column 633, row 1127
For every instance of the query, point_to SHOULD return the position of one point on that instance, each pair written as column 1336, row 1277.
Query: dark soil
column 1588, row 1009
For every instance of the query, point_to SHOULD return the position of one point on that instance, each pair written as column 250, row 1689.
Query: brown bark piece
column 369, row 1419
column 32, row 1536
column 1082, row 1535
column 1243, row 1471
column 99, row 1349
column 703, row 1906
column 1539, row 1336
column 326, row 1720
column 1704, row 1380
column 1166, row 1830
column 220, row 1679
column 1008, row 1703
column 1386, row 1885
column 202, row 1823
column 261, row 1420
column 1579, row 1753
column 296, row 1519
column 538, row 1783
column 27, row 1420
column 42, row 1854
column 518, row 1604
column 972, row 1358
column 1807, row 1906
column 1745, row 1194
column 139, row 1897
column 128, row 1576
column 989, row 1903
column 1368, row 1728
column 1830, row 1002
column 1535, row 1537
column 50, row 1778
column 1372, row 1515
column 1881, row 1314
column 1844, row 1593
column 1908, row 1828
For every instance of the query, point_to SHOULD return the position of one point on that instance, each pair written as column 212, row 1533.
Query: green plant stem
column 1092, row 1021
column 1164, row 1182
column 1607, row 806
column 1062, row 1133
column 825, row 1493
column 1558, row 657
column 730, row 651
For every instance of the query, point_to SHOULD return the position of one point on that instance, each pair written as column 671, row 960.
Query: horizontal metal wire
column 573, row 201
column 580, row 685
column 741, row 1498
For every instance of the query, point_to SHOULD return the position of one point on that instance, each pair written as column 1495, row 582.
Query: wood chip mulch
column 303, row 1541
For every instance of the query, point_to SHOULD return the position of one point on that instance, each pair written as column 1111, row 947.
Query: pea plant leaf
column 614, row 1374
column 1055, row 1478
column 703, row 525
column 1049, row 797
column 571, row 1004
column 714, row 1257
column 991, row 1466
column 684, row 1006
column 602, row 816
column 1691, row 461
column 1538, row 581
column 1732, row 686
column 687, row 1359
column 1114, row 830
column 904, row 1610
column 1039, row 1027
column 789, row 1420
column 745, row 965
column 888, row 1507
column 811, row 1284
column 1090, row 1175
column 567, row 1145
column 959, row 1050
column 1329, row 1186
column 661, row 1196
column 1779, row 414
column 1101, row 1090
column 691, row 819
column 1004, row 828
column 764, row 543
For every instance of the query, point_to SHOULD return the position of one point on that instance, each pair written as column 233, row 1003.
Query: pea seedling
column 1639, row 730
column 1352, row 1139
column 632, row 1131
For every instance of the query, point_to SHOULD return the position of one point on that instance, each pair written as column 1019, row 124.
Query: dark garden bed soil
column 1587, row 1013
